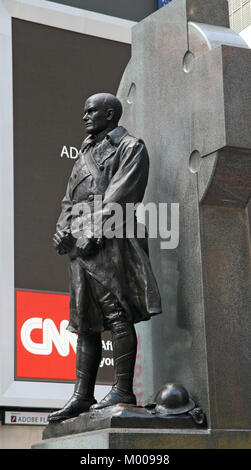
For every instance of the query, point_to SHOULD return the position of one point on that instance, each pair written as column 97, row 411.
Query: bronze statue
column 111, row 281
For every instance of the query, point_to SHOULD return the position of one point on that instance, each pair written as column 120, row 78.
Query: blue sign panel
column 162, row 3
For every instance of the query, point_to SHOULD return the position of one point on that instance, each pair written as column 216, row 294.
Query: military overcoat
column 121, row 265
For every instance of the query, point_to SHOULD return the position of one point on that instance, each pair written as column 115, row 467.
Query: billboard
column 50, row 69
column 54, row 71
column 45, row 349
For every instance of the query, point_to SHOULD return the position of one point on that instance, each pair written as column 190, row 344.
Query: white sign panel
column 26, row 418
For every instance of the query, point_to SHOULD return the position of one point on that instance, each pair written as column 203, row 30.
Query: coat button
column 101, row 167
column 90, row 197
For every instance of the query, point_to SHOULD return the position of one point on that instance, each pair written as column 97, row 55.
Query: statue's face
column 95, row 117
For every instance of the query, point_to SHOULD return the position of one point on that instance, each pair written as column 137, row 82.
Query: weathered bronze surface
column 124, row 416
column 112, row 285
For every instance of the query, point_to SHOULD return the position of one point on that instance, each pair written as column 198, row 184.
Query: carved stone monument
column 186, row 93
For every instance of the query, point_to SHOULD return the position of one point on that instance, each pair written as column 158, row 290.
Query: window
column 240, row 14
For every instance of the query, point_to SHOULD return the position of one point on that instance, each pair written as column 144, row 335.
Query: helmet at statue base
column 173, row 399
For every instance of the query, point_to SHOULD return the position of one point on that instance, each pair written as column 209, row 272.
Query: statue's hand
column 62, row 242
column 86, row 246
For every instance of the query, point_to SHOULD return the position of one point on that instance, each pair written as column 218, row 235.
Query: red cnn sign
column 44, row 348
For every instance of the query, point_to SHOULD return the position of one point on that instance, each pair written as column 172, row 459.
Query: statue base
column 126, row 417
column 134, row 427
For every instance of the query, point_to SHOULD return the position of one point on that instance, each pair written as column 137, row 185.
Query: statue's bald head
column 102, row 113
column 108, row 101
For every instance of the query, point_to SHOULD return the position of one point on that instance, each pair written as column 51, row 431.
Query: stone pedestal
column 186, row 93
column 150, row 439
column 130, row 427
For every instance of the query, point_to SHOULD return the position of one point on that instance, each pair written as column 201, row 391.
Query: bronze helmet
column 173, row 398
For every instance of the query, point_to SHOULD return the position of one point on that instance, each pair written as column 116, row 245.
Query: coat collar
column 114, row 137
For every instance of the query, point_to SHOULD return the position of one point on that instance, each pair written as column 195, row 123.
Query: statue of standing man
column 112, row 285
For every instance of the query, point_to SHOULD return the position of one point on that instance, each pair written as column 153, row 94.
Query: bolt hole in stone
column 195, row 161
column 188, row 61
column 131, row 94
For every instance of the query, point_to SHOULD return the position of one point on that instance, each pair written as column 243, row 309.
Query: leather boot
column 88, row 356
column 124, row 342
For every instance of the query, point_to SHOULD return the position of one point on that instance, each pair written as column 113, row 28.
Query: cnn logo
column 61, row 339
